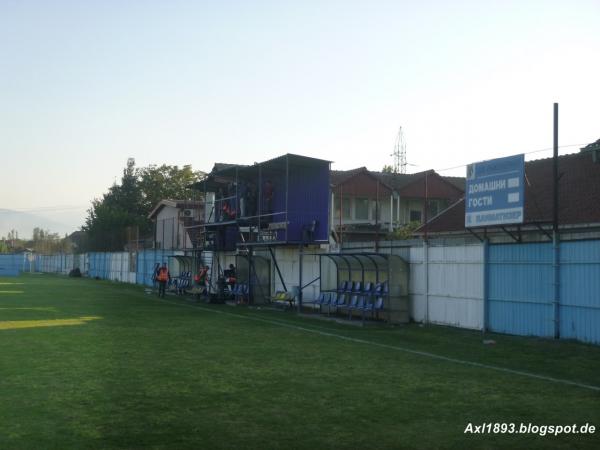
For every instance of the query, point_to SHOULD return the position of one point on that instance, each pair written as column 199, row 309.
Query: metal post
column 301, row 254
column 426, row 277
column 250, row 286
column 486, row 251
column 391, row 224
column 426, row 206
column 341, row 214
column 555, row 231
column 287, row 187
column 377, row 217
column 259, row 202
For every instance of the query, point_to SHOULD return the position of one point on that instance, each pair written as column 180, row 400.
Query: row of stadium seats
column 337, row 301
column 368, row 289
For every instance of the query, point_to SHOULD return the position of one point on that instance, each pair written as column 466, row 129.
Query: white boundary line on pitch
column 390, row 347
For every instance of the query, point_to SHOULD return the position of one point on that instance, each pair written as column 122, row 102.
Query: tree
column 388, row 169
column 127, row 205
column 159, row 182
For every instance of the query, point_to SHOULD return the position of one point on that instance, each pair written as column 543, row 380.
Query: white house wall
column 170, row 232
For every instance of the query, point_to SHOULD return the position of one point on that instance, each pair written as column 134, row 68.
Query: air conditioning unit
column 188, row 213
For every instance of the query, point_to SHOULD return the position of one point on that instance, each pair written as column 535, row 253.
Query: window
column 346, row 206
column 361, row 209
column 436, row 207
column 415, row 216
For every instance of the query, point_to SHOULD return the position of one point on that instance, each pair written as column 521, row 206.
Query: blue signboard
column 495, row 192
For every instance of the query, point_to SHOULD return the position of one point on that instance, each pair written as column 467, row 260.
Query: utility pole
column 555, row 232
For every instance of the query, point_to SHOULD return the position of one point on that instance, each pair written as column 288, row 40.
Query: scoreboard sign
column 495, row 192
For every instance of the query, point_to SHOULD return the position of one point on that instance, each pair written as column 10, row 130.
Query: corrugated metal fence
column 59, row 263
column 521, row 290
column 448, row 283
column 580, row 290
column 119, row 266
column 445, row 281
column 11, row 265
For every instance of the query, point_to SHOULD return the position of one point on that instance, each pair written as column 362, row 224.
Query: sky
column 86, row 85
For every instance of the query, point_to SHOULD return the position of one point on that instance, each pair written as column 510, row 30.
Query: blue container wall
column 521, row 289
column 308, row 200
column 146, row 261
column 579, row 315
column 98, row 265
column 10, row 265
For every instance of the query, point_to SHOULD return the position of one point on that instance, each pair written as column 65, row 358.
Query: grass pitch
column 91, row 364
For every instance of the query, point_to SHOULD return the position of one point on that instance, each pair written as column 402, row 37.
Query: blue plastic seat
column 358, row 305
column 373, row 307
column 327, row 298
column 349, row 287
column 318, row 301
column 343, row 286
column 337, row 302
column 351, row 304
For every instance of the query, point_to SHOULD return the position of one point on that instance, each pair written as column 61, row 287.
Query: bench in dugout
column 282, row 298
column 337, row 302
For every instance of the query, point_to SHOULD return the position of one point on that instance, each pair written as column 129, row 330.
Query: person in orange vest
column 163, row 277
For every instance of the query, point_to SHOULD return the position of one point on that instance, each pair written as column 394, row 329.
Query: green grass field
column 91, row 364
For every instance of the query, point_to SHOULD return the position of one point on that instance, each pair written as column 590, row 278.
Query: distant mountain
column 25, row 222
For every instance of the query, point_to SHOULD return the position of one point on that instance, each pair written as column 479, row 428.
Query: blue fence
column 146, row 262
column 11, row 265
column 521, row 290
column 580, row 290
column 98, row 265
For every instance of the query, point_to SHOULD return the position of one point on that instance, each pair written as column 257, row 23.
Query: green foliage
column 405, row 232
column 42, row 241
column 388, row 169
column 126, row 205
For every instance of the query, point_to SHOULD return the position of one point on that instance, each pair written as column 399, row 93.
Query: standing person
column 155, row 275
column 163, row 277
column 202, row 277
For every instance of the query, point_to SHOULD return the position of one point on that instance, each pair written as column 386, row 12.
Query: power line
column 525, row 153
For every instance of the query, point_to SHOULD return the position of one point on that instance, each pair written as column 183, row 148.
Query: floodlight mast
column 399, row 153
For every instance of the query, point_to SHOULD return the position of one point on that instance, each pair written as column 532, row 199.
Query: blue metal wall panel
column 580, row 291
column 520, row 289
column 10, row 265
column 308, row 200
column 146, row 261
